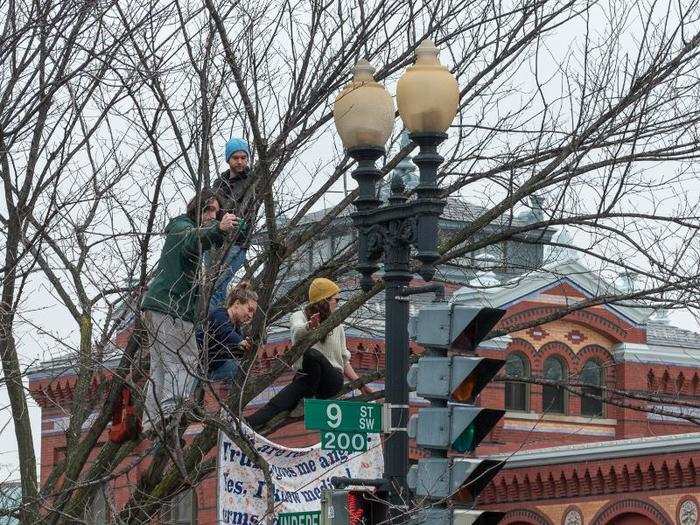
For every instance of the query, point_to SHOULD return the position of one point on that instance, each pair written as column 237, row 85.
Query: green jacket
column 174, row 290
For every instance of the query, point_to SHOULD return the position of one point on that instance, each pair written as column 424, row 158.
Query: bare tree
column 114, row 113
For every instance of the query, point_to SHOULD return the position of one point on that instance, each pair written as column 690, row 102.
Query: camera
column 220, row 214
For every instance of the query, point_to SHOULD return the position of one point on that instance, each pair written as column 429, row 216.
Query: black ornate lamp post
column 427, row 98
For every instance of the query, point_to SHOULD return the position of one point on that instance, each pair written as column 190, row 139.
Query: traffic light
column 453, row 326
column 438, row 516
column 353, row 507
column 458, row 479
column 455, row 427
column 459, row 379
column 453, row 423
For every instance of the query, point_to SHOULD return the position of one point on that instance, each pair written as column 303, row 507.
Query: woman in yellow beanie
column 320, row 371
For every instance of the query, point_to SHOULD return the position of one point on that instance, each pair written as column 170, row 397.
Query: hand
column 314, row 322
column 365, row 389
column 228, row 221
column 246, row 344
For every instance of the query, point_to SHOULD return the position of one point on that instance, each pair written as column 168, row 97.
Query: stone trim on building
column 610, row 327
column 520, row 515
column 644, row 507
column 584, row 479
column 572, row 516
column 620, row 448
column 688, row 511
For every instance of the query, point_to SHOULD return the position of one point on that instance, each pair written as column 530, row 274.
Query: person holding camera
column 322, row 367
column 221, row 339
column 235, row 187
column 170, row 303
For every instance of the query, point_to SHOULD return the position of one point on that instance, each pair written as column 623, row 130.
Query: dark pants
column 317, row 378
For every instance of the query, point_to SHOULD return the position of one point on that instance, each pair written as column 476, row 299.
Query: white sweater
column 334, row 347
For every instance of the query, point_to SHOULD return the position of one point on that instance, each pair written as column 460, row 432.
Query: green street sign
column 348, row 441
column 299, row 518
column 339, row 416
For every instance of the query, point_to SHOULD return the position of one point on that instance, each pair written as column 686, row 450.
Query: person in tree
column 321, row 369
column 235, row 186
column 222, row 339
column 170, row 304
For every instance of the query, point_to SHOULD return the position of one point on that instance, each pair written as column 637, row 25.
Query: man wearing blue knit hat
column 236, row 188
column 232, row 184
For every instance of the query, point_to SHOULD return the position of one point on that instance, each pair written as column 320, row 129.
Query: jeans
column 234, row 261
column 226, row 371
column 174, row 363
column 317, row 378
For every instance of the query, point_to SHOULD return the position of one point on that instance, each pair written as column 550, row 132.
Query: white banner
column 299, row 476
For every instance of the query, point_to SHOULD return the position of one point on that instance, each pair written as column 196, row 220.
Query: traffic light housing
column 441, row 516
column 456, row 427
column 458, row 479
column 353, row 507
column 453, row 423
column 459, row 378
column 453, row 326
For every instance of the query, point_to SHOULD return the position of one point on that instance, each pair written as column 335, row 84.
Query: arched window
column 182, row 510
column 517, row 394
column 554, row 397
column 592, row 374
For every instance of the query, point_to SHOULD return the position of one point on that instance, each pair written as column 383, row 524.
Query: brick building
column 571, row 460
column 575, row 460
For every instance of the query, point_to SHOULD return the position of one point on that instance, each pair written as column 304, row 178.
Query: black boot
column 258, row 419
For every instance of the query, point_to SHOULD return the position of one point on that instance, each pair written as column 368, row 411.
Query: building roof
column 667, row 335
column 666, row 344
column 456, row 209
column 65, row 366
column 620, row 448
column 534, row 283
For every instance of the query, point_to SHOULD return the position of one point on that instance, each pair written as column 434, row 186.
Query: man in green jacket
column 170, row 305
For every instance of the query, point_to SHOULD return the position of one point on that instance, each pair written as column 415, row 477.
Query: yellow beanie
column 322, row 288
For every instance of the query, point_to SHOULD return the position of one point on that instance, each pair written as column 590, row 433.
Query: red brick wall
column 368, row 355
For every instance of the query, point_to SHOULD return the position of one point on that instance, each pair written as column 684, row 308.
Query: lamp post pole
column 363, row 112
column 389, row 232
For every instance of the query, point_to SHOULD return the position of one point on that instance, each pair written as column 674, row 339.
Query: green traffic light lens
column 466, row 442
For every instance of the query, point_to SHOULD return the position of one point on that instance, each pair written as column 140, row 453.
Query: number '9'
column 334, row 415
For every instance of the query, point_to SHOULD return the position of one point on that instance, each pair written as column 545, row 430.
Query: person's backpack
column 126, row 425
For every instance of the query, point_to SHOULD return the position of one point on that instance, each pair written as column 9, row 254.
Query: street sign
column 349, row 441
column 299, row 518
column 342, row 416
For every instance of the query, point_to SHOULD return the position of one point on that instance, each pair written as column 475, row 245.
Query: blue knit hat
column 234, row 145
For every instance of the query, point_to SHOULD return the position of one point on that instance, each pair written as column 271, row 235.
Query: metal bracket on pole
column 437, row 289
column 387, row 420
column 341, row 482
